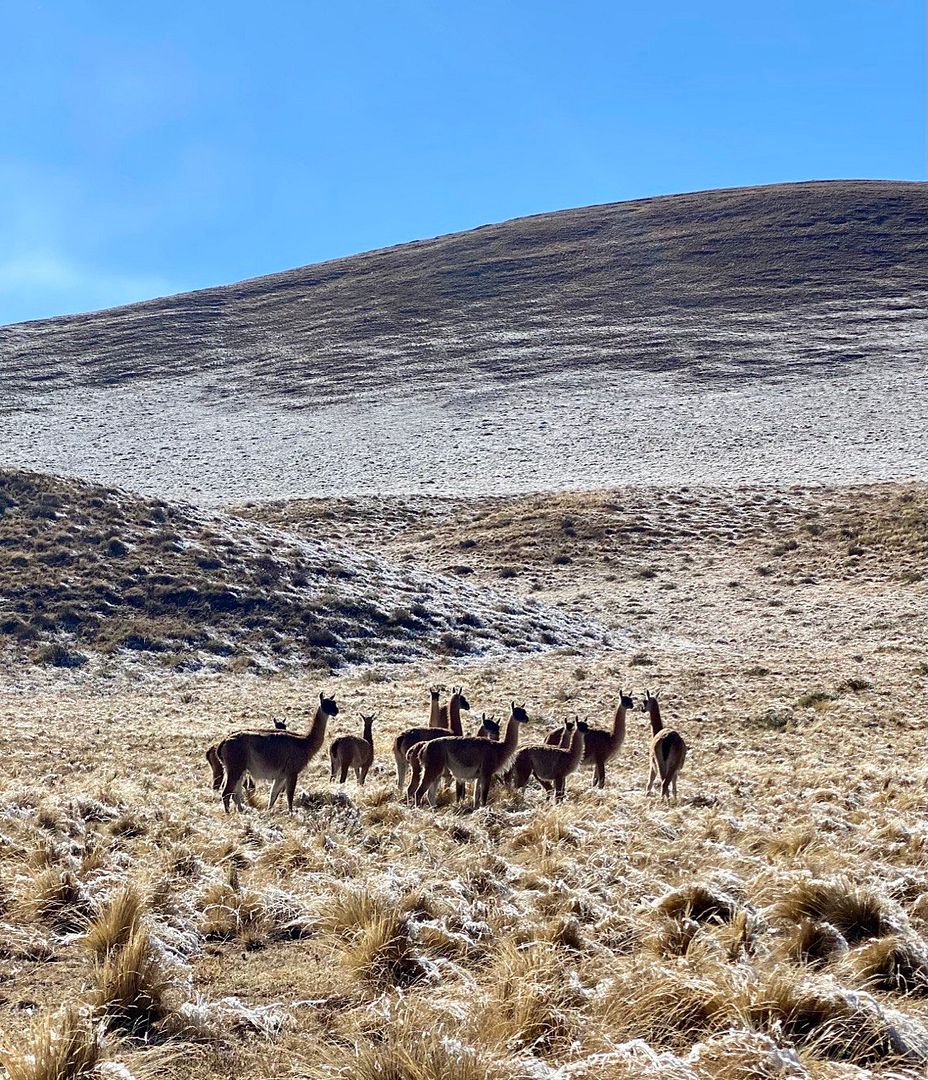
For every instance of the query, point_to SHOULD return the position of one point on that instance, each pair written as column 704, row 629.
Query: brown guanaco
column 212, row 756
column 411, row 736
column 550, row 765
column 668, row 750
column 488, row 729
column 602, row 746
column 353, row 752
column 278, row 756
column 469, row 758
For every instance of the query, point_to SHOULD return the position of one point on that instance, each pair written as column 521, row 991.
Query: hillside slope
column 87, row 572
column 720, row 283
column 749, row 336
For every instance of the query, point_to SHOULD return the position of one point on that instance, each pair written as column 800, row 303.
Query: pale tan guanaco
column 602, row 746
column 668, row 750
column 550, row 765
column 469, row 758
column 212, row 756
column 488, row 729
column 278, row 756
column 411, row 736
column 353, row 752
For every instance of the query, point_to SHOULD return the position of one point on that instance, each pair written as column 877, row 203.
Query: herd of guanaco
column 440, row 749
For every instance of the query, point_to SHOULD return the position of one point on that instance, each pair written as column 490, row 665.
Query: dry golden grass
column 771, row 924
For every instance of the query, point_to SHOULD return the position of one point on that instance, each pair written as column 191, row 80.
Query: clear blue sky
column 150, row 148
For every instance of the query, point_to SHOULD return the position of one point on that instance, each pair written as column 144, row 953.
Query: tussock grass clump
column 350, row 910
column 830, row 1023
column 418, row 1056
column 383, row 954
column 856, row 911
column 115, row 923
column 131, row 987
column 59, row 1047
column 701, row 903
column 672, row 937
column 898, row 964
column 670, row 1008
column 253, row 918
column 59, row 899
column 532, row 1007
column 815, row 943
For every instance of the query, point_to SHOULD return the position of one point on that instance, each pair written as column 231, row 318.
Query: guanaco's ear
column 321, row 695
column 512, row 705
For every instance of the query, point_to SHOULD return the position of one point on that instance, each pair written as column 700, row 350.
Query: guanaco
column 488, row 729
column 668, row 750
column 351, row 752
column 435, row 708
column 550, row 765
column 456, row 702
column 411, row 736
column 278, row 756
column 561, row 736
column 215, row 764
column 469, row 758
column 602, row 746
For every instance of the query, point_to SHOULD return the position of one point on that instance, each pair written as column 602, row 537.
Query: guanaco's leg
column 651, row 778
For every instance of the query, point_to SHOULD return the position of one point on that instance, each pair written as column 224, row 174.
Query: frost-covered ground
column 771, row 924
column 861, row 423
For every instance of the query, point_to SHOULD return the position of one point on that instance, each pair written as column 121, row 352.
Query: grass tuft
column 65, row 1046
column 857, row 912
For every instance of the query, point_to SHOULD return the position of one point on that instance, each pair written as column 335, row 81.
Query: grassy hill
column 89, row 572
column 720, row 284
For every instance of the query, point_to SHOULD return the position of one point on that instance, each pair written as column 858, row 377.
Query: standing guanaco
column 550, row 765
column 469, row 758
column 278, row 756
column 212, row 756
column 488, row 729
column 456, row 702
column 668, row 750
column 411, row 736
column 353, row 752
column 561, row 736
column 435, row 707
column 602, row 746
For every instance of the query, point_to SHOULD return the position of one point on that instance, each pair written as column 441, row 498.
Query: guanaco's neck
column 316, row 732
column 618, row 727
column 435, row 712
column 454, row 715
column 577, row 745
column 654, row 712
column 369, row 731
column 512, row 734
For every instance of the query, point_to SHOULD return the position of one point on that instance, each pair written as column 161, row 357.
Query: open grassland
column 772, row 923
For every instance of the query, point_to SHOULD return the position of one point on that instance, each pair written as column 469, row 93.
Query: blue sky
column 153, row 148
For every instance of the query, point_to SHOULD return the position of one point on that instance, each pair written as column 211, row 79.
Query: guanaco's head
column 281, row 725
column 367, row 721
column 328, row 706
column 569, row 724
column 435, row 691
column 458, row 692
column 582, row 725
column 519, row 713
column 626, row 700
column 489, row 727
